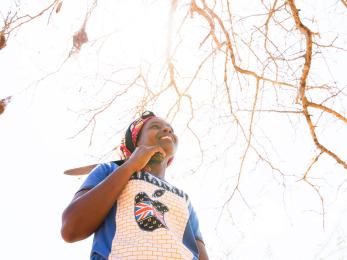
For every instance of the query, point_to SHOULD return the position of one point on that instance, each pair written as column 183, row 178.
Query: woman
column 132, row 211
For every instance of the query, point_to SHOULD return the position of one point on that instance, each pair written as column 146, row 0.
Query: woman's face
column 157, row 131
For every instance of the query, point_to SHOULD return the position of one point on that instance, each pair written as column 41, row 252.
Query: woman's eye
column 155, row 126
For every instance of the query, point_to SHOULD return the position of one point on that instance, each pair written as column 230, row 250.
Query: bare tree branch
column 302, row 89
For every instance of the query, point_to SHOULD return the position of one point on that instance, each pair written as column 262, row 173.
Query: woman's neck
column 157, row 169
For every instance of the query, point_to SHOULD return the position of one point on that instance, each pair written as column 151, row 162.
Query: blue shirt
column 150, row 218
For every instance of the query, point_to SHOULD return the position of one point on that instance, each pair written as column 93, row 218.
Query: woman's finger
column 156, row 149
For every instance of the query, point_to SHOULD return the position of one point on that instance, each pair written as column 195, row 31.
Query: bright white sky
column 283, row 223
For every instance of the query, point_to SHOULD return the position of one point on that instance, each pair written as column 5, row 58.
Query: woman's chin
column 169, row 150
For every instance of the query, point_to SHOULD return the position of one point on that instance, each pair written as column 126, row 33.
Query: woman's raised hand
column 141, row 156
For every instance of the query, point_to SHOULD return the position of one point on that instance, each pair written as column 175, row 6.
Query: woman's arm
column 202, row 250
column 89, row 208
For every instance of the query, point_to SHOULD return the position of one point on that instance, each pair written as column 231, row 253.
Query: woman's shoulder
column 107, row 167
column 98, row 174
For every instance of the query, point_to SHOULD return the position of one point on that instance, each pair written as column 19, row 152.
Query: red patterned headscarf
column 129, row 142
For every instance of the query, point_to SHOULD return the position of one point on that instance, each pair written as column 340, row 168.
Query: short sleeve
column 194, row 223
column 97, row 175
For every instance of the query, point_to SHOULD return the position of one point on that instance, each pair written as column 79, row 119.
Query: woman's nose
column 167, row 129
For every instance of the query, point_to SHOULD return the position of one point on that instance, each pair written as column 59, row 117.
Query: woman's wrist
column 129, row 166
